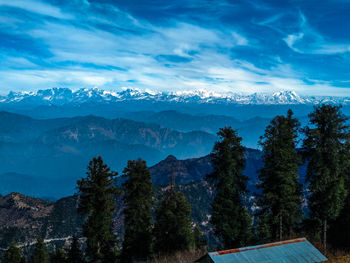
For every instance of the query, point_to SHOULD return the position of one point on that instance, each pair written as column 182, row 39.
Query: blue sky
column 238, row 46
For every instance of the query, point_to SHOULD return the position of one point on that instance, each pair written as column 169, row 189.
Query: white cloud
column 309, row 41
column 36, row 7
column 292, row 39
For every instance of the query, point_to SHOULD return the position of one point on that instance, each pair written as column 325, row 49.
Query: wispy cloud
column 162, row 46
column 308, row 40
column 36, row 7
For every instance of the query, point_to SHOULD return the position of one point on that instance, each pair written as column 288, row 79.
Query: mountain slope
column 95, row 129
column 57, row 151
column 195, row 169
column 250, row 130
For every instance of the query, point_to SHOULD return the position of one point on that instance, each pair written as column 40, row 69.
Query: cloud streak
column 37, row 7
column 112, row 45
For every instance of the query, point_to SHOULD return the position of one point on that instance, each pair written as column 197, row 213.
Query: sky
column 169, row 45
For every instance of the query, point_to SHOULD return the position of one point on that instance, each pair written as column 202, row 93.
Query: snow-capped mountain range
column 62, row 96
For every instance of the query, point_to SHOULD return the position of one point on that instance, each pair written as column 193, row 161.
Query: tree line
column 282, row 209
column 149, row 229
column 323, row 146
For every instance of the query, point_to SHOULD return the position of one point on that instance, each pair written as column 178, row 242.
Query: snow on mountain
column 287, row 97
column 61, row 96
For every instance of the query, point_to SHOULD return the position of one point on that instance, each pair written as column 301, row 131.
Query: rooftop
column 290, row 251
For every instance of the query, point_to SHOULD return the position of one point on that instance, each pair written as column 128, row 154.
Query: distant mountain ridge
column 64, row 96
column 55, row 152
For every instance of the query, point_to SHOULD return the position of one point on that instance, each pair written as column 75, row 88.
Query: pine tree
column 280, row 200
column 229, row 216
column 60, row 256
column 173, row 228
column 340, row 228
column 138, row 200
column 75, row 255
column 325, row 149
column 40, row 254
column 13, row 254
column 246, row 233
column 263, row 229
column 98, row 203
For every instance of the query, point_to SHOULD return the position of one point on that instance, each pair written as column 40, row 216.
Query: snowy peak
column 287, row 97
column 62, row 96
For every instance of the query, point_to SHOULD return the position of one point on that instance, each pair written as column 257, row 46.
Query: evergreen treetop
column 173, row 227
column 229, row 216
column 138, row 200
column 97, row 201
column 227, row 158
column 325, row 147
column 280, row 201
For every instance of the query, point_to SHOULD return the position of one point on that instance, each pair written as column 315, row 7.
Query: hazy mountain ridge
column 195, row 169
column 56, row 152
column 63, row 96
column 95, row 129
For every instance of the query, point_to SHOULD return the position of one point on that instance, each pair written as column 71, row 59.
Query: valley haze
column 47, row 137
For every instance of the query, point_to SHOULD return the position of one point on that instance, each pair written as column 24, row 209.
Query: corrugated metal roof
column 291, row 251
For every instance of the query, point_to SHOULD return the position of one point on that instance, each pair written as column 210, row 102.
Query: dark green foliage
column 280, row 200
column 138, row 200
column 173, row 228
column 246, row 234
column 326, row 150
column 60, row 256
column 40, row 254
column 200, row 195
column 13, row 254
column 229, row 217
column 263, row 229
column 340, row 228
column 75, row 255
column 97, row 202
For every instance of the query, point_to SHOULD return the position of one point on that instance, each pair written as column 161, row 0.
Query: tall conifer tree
column 40, row 254
column 75, row 255
column 280, row 200
column 340, row 228
column 173, row 228
column 13, row 254
column 229, row 216
column 98, row 203
column 138, row 200
column 325, row 149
